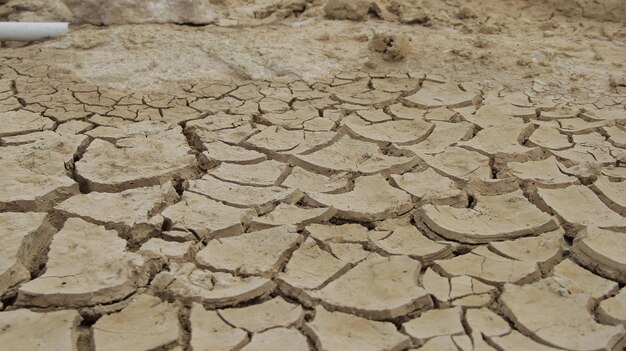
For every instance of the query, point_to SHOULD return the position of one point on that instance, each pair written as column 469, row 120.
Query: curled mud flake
column 265, row 173
column 460, row 164
column 169, row 250
column 430, row 187
column 218, row 151
column 38, row 175
column 555, row 320
column 134, row 213
column 145, row 161
column 409, row 241
column 617, row 136
column 145, row 324
column 205, row 217
column 276, row 139
column 209, row 332
column 444, row 135
column 397, row 132
column 613, row 309
column 258, row 253
column 549, row 138
column 502, row 143
column 601, row 115
column 140, row 129
column 25, row 239
column 434, row 323
column 363, row 204
column 23, row 122
column 350, row 155
column 437, row 95
column 578, row 207
column 267, row 315
column 80, row 273
column 306, row 181
column 569, row 278
column 310, row 267
column 599, row 154
column 336, row 331
column 602, row 251
column 613, row 194
column 546, row 249
column 293, row 119
column 489, row 267
column 539, row 174
column 278, row 339
column 439, row 343
column 285, row 214
column 489, row 219
column 579, row 125
column 377, row 288
column 39, row 331
column 189, row 283
column 261, row 199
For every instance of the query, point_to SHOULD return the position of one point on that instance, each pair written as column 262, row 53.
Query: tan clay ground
column 311, row 175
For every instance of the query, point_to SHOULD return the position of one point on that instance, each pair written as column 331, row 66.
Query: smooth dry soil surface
column 178, row 188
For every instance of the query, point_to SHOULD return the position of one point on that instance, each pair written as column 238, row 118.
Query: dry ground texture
column 309, row 175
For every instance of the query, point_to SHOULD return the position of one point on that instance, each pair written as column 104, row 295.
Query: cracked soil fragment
column 363, row 204
column 87, row 265
column 361, row 292
column 336, row 331
column 145, row 324
column 498, row 217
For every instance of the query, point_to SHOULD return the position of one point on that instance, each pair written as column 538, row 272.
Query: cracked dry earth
column 398, row 211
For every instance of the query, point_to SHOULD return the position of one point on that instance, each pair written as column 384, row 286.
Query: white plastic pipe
column 31, row 31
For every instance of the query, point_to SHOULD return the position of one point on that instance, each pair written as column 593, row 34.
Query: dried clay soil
column 309, row 176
